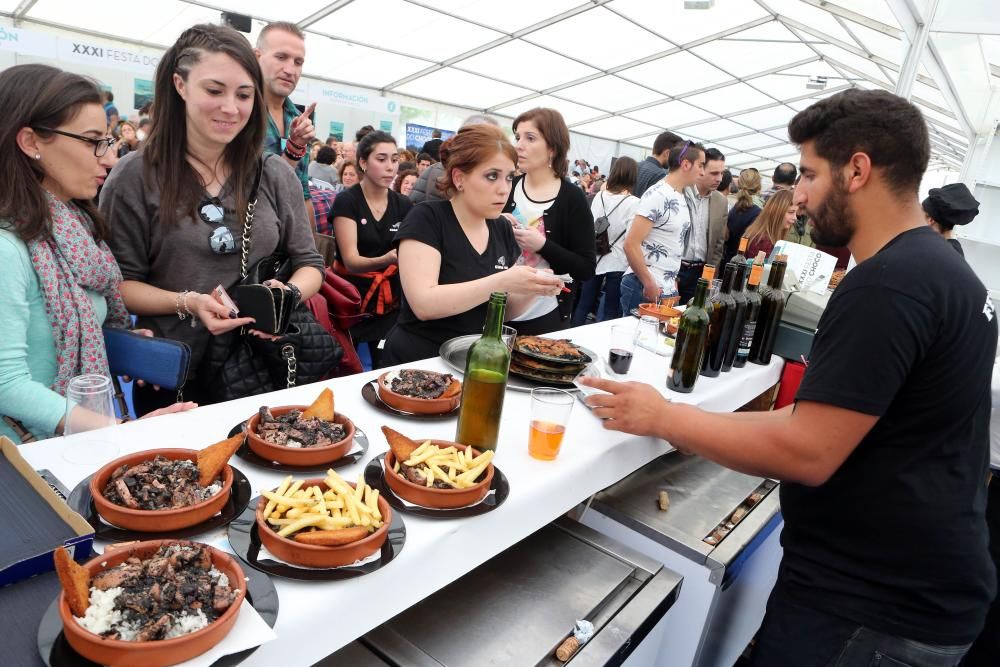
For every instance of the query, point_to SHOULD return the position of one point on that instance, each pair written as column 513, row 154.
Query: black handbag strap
column 248, row 221
column 608, row 214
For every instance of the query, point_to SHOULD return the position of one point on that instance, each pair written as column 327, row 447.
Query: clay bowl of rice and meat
column 159, row 490
column 419, row 392
column 153, row 603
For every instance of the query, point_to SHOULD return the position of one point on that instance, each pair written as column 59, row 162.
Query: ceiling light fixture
column 699, row 4
column 816, row 83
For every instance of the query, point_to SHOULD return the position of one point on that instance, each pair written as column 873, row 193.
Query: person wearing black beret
column 948, row 206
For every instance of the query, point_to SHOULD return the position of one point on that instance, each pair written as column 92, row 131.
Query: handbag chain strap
column 248, row 223
column 288, row 352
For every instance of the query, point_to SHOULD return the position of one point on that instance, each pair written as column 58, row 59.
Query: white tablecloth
column 317, row 618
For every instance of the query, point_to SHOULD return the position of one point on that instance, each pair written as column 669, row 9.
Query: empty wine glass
column 90, row 405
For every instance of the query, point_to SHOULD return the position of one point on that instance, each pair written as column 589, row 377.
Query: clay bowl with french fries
column 420, row 392
column 156, row 490
column 272, row 433
column 662, row 311
column 329, row 536
column 459, row 475
column 74, row 601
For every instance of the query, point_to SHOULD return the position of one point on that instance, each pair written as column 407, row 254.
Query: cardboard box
column 34, row 521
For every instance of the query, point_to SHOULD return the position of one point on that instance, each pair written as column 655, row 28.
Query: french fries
column 297, row 513
column 457, row 468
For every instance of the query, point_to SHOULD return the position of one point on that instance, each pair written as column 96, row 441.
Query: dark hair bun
column 444, row 150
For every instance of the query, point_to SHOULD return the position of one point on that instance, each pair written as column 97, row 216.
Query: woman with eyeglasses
column 177, row 207
column 60, row 283
column 366, row 217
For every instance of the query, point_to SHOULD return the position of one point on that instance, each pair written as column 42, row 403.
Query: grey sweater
column 180, row 258
column 425, row 189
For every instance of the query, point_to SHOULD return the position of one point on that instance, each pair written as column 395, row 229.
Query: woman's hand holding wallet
column 217, row 318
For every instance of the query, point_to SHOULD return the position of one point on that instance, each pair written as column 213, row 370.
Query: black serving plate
column 369, row 392
column 246, row 544
column 82, row 503
column 55, row 651
column 251, row 457
column 375, row 478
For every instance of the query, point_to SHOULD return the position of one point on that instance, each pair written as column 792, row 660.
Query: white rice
column 187, row 623
column 220, row 577
column 212, row 490
column 101, row 615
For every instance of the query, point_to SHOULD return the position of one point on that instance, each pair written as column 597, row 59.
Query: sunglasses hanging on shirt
column 221, row 239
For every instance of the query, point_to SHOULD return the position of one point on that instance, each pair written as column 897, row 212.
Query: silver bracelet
column 181, row 301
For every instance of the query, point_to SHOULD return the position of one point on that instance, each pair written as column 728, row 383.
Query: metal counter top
column 702, row 494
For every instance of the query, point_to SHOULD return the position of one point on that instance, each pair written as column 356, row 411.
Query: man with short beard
column 883, row 457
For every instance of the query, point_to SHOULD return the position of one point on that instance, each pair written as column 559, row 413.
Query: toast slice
column 214, row 458
column 401, row 446
column 332, row 538
column 75, row 581
column 322, row 407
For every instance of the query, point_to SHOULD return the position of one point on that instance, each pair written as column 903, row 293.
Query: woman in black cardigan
column 552, row 222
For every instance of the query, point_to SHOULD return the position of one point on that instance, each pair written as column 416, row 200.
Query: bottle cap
column 756, row 271
column 781, row 258
column 743, row 244
column 708, row 273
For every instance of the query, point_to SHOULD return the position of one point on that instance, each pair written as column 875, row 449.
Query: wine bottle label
column 749, row 329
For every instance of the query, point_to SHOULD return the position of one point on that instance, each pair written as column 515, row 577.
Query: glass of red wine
column 622, row 348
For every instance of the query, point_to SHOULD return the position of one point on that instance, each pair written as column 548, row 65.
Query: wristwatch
column 296, row 292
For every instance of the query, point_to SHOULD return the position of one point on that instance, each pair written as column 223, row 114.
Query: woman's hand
column 521, row 279
column 529, row 239
column 170, row 409
column 217, row 318
column 391, row 257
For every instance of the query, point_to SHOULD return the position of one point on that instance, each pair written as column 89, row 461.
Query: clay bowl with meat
column 162, row 652
column 157, row 521
column 446, row 402
column 311, row 555
column 299, row 456
column 432, row 497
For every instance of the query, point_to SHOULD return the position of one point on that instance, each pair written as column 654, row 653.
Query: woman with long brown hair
column 455, row 252
column 60, row 282
column 772, row 224
column 177, row 206
column 551, row 218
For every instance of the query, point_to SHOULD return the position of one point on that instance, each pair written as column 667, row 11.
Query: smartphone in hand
column 222, row 296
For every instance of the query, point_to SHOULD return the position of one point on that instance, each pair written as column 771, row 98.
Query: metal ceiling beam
column 497, row 42
column 915, row 52
column 22, row 9
column 860, row 19
column 322, row 13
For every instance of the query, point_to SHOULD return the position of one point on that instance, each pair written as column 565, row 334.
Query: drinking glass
column 508, row 334
column 647, row 335
column 90, row 405
column 622, row 348
column 550, row 411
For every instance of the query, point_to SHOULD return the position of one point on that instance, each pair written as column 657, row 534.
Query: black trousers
column 985, row 652
column 796, row 636
column 687, row 279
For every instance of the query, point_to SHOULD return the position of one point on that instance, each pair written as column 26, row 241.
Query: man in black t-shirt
column 883, row 457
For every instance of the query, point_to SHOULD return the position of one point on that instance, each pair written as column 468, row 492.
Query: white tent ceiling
column 731, row 76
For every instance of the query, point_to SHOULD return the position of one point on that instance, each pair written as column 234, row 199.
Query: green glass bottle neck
column 494, row 316
column 729, row 278
column 777, row 276
column 699, row 294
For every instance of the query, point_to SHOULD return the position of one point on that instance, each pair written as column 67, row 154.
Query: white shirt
column 663, row 246
column 620, row 210
column 697, row 241
column 529, row 215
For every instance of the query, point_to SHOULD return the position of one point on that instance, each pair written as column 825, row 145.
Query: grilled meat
column 291, row 430
column 551, row 347
column 420, row 384
column 157, row 485
column 416, row 475
column 156, row 593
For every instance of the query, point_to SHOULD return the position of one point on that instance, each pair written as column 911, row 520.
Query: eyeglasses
column 221, row 240
column 101, row 146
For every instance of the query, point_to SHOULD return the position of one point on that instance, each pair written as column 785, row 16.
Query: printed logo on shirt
column 501, row 264
column 394, row 228
column 988, row 309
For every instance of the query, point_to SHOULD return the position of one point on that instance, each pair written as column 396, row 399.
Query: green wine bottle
column 740, row 314
column 772, row 305
column 689, row 348
column 752, row 313
column 485, row 382
column 721, row 311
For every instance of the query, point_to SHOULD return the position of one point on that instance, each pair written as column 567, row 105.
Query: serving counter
column 316, row 619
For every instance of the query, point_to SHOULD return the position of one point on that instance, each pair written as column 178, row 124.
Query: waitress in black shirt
column 365, row 218
column 949, row 206
column 453, row 253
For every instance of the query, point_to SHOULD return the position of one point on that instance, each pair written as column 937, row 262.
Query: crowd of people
column 116, row 223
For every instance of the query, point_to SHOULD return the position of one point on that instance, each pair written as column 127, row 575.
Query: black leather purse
column 238, row 364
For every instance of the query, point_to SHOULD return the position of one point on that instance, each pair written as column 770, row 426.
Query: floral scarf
column 67, row 264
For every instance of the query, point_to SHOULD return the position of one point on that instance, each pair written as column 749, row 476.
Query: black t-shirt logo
column 501, row 264
column 988, row 309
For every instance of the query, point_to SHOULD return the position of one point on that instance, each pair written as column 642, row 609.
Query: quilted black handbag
column 238, row 364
